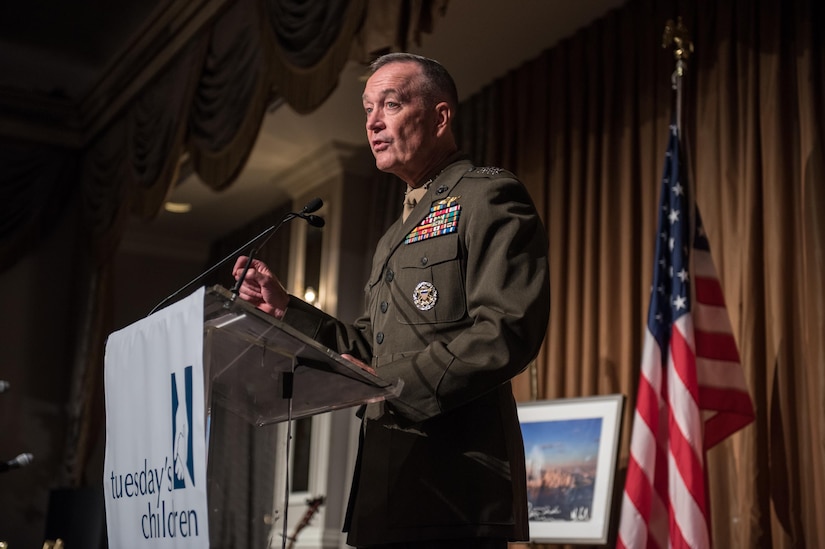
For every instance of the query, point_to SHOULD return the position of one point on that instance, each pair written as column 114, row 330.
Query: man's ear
column 443, row 117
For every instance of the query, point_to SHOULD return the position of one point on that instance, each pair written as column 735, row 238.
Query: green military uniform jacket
column 457, row 304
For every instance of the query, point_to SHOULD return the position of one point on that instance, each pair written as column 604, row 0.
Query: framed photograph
column 571, row 447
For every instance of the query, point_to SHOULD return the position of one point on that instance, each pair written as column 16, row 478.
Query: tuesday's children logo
column 182, row 453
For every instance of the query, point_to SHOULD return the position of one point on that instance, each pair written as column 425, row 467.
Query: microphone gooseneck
column 305, row 214
column 312, row 206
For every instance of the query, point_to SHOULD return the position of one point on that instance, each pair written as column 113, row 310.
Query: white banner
column 154, row 474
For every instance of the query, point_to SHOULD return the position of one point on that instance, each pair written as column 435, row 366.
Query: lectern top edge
column 250, row 357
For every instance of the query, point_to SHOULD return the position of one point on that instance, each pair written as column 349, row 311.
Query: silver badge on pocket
column 425, row 296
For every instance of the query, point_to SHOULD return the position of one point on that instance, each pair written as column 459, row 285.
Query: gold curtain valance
column 208, row 103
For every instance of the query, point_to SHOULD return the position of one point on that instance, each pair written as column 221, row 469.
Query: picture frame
column 571, row 449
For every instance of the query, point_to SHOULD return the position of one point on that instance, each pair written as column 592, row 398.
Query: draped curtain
column 585, row 125
column 204, row 107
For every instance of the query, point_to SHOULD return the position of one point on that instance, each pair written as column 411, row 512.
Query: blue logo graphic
column 184, row 462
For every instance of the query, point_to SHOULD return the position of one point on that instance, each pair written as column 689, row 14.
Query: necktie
column 411, row 198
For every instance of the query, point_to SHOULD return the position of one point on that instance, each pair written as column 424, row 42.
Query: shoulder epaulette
column 487, row 171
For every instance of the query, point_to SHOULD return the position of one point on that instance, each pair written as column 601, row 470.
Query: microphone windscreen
column 313, row 206
column 315, row 221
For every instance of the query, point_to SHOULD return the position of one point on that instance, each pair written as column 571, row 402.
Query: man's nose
column 374, row 121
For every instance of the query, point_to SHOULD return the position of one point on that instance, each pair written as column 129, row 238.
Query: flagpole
column 677, row 36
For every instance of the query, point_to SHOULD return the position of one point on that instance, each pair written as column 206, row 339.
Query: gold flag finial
column 677, row 35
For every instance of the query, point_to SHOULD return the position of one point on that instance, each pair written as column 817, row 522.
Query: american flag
column 692, row 391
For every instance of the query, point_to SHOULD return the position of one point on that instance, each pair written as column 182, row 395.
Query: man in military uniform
column 456, row 305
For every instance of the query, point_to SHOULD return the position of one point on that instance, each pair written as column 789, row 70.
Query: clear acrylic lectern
column 254, row 363
column 258, row 372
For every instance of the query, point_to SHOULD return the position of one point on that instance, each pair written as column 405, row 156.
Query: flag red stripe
column 660, row 482
column 721, row 426
column 684, row 363
column 734, row 401
column 709, row 291
column 647, row 403
column 716, row 346
column 638, row 488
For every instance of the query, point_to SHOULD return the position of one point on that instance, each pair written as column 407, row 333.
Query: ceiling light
column 177, row 207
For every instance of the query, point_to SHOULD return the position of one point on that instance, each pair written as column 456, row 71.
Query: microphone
column 20, row 461
column 312, row 206
column 313, row 220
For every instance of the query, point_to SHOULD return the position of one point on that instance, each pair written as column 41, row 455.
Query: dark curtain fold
column 305, row 31
column 307, row 50
column 584, row 125
column 232, row 96
column 208, row 101
column 106, row 183
column 159, row 123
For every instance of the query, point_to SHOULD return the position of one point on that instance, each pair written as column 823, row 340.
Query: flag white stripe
column 632, row 527
column 684, row 408
column 709, row 318
column 720, row 374
column 643, row 447
column 685, row 411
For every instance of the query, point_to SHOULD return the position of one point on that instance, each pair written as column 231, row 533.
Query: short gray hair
column 438, row 84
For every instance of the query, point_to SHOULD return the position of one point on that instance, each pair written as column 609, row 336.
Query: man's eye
column 367, row 110
column 392, row 105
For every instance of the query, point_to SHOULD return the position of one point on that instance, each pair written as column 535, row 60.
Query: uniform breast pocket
column 431, row 282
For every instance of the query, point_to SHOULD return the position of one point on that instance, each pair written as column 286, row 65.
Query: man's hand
column 261, row 288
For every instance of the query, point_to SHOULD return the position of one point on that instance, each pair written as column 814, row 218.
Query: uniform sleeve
column 508, row 302
column 329, row 331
